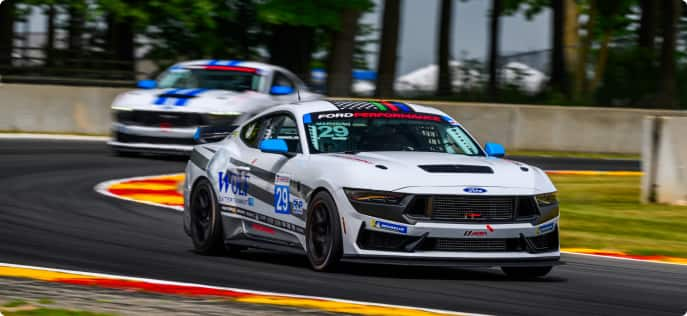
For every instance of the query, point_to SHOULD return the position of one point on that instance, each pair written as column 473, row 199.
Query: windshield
column 185, row 78
column 330, row 132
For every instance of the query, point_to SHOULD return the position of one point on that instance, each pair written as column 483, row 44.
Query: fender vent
column 456, row 169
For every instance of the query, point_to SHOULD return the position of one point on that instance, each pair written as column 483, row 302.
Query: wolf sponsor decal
column 389, row 226
column 233, row 188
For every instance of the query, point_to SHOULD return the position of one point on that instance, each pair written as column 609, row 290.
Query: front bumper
column 371, row 238
column 152, row 139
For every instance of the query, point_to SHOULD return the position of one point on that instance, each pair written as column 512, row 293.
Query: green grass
column 15, row 303
column 568, row 154
column 53, row 312
column 45, row 301
column 605, row 213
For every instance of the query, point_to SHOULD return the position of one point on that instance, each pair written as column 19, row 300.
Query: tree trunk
column 444, row 78
column 50, row 14
column 494, row 36
column 559, row 80
column 76, row 11
column 581, row 80
column 647, row 24
column 6, row 32
column 571, row 42
column 339, row 74
column 386, row 62
column 602, row 61
column 667, row 92
column 291, row 47
column 120, row 42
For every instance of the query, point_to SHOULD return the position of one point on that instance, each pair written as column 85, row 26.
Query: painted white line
column 102, row 189
column 53, row 137
column 621, row 258
column 245, row 291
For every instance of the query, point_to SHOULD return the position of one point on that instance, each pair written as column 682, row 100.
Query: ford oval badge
column 475, row 190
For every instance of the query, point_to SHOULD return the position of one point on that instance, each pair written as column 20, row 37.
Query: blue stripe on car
column 192, row 93
column 163, row 99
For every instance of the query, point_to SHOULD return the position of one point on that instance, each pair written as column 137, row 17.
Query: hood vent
column 176, row 95
column 456, row 169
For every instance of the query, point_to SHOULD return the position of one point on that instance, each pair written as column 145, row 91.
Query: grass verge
column 569, row 154
column 605, row 213
column 52, row 312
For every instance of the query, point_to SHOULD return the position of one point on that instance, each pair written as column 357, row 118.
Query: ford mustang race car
column 374, row 181
column 164, row 115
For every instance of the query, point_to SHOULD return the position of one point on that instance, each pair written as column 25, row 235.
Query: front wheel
column 324, row 245
column 526, row 272
column 206, row 225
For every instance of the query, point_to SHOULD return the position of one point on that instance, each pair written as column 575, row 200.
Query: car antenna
column 298, row 93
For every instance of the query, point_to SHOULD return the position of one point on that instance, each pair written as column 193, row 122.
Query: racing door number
column 282, row 195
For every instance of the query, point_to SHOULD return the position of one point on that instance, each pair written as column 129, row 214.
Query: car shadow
column 392, row 271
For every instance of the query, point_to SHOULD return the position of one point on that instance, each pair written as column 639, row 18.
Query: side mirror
column 147, row 84
column 494, row 150
column 281, row 90
column 211, row 134
column 274, row 146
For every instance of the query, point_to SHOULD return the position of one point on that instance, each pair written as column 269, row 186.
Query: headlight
column 368, row 196
column 222, row 118
column 548, row 199
column 122, row 114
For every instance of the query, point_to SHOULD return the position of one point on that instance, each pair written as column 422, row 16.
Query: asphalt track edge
column 27, row 270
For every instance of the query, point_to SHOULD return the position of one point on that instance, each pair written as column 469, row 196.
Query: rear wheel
column 526, row 272
column 206, row 224
column 323, row 233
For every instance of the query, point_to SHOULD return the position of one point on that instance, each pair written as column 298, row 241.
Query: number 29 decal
column 282, row 195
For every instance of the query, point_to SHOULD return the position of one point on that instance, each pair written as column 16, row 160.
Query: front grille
column 129, row 138
column 456, row 169
column 449, row 244
column 159, row 118
column 473, row 208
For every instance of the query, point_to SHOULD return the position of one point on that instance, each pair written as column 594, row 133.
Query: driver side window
column 284, row 127
column 282, row 80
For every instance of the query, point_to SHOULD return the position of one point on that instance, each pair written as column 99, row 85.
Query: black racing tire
column 526, row 272
column 324, row 242
column 206, row 220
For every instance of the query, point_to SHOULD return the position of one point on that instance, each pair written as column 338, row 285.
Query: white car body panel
column 333, row 172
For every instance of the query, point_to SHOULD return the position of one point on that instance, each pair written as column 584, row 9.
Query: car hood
column 191, row 100
column 443, row 173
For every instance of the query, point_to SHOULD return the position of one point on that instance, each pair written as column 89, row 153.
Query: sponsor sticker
column 546, row 228
column 475, row 190
column 236, row 183
column 389, row 226
column 297, row 206
column 282, row 203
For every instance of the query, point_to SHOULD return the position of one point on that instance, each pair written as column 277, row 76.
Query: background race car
column 164, row 115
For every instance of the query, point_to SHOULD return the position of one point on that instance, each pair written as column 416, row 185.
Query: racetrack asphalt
column 50, row 216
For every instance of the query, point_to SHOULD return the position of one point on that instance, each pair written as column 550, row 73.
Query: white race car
column 374, row 181
column 163, row 115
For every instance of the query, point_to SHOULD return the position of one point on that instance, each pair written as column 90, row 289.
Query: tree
column 494, row 36
column 75, row 25
column 294, row 24
column 444, row 78
column 559, row 77
column 340, row 68
column 647, row 24
column 7, row 14
column 386, row 61
column 667, row 91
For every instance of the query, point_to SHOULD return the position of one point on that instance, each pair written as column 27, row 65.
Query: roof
column 356, row 105
column 227, row 63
